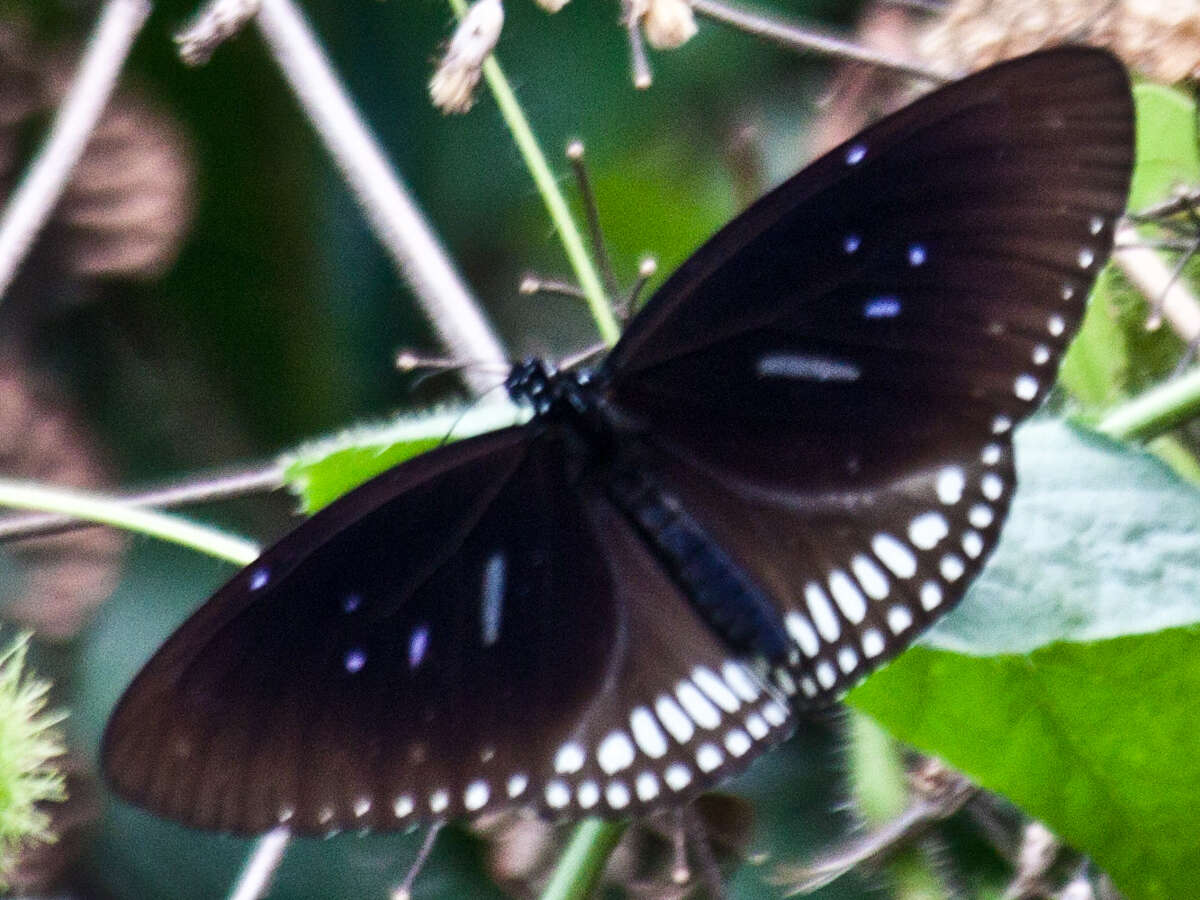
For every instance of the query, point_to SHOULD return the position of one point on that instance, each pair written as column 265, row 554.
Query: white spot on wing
column 418, row 645
column 927, row 530
column 802, row 633
column 476, row 795
column 931, row 595
column 677, row 776
column 885, row 306
column 438, row 801
column 950, row 484
column 972, row 544
column 647, row 733
column 558, row 794
column 1025, row 387
column 708, row 757
column 847, row 596
column 1056, row 325
column 737, row 742
column 362, row 806
column 981, row 515
column 869, row 575
column 756, row 726
column 569, row 759
column 855, row 154
column 702, row 712
column 741, row 683
column 806, row 367
column 826, row 674
column 951, row 567
column 716, row 689
column 646, row 786
column 894, row 555
column 899, row 619
column 821, row 611
column 517, row 784
column 847, row 659
column 873, row 643
column 403, row 806
column 615, row 752
column 492, row 598
column 588, row 794
column 674, row 719
column 1087, row 256
column 992, row 486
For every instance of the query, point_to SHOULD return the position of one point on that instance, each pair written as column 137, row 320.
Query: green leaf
column 1096, row 740
column 1114, row 355
column 1065, row 680
column 1102, row 540
column 1167, row 151
column 323, row 470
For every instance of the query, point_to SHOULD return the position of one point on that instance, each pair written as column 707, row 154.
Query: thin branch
column 260, row 868
column 203, row 489
column 1151, row 275
column 111, row 511
column 547, row 185
column 35, row 198
column 583, row 861
column 390, row 209
column 796, row 37
column 1156, row 411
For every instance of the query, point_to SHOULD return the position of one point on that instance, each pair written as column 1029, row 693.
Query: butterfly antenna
column 429, row 366
column 404, row 891
column 592, row 211
column 639, row 63
column 536, row 284
column 462, row 415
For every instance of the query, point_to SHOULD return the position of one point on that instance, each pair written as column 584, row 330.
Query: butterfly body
column 797, row 457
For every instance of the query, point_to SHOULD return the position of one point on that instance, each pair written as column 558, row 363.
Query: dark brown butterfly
column 795, row 459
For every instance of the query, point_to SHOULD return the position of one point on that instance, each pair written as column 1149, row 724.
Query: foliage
column 28, row 746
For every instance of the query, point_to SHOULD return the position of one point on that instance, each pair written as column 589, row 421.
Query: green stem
column 547, row 185
column 582, row 863
column 110, row 511
column 1156, row 411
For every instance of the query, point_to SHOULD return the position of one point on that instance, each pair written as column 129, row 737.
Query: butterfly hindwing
column 829, row 385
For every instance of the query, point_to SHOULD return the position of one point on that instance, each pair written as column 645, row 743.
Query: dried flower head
column 28, row 743
column 668, row 24
column 452, row 87
column 65, row 576
column 129, row 203
column 1160, row 38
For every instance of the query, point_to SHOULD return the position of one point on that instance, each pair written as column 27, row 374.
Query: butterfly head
column 553, row 393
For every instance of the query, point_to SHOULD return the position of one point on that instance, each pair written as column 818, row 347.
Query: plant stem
column 582, row 863
column 393, row 214
column 260, row 867
column 110, row 511
column 202, row 489
column 796, row 37
column 1156, row 411
column 35, row 198
column 547, row 185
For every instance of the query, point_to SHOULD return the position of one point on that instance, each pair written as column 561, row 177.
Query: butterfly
column 797, row 457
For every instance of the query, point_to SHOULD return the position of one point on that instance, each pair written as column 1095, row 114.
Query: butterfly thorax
column 552, row 393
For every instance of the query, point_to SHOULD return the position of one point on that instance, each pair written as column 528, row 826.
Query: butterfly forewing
column 481, row 632
column 829, row 385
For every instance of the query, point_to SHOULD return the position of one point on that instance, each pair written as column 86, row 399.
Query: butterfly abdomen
column 724, row 595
